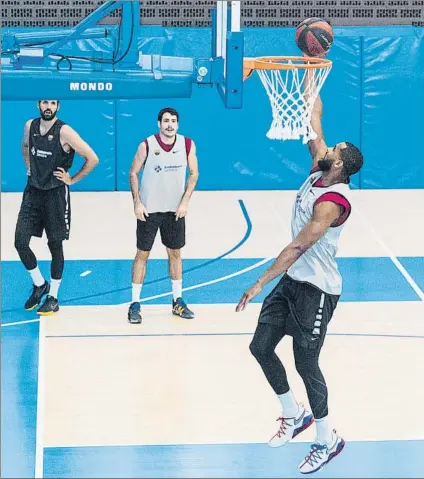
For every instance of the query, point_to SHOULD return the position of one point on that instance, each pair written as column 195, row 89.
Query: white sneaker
column 321, row 454
column 291, row 426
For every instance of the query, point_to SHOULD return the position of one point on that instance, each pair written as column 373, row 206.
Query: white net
column 292, row 93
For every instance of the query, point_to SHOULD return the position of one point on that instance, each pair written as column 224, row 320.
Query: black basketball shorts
column 48, row 210
column 302, row 309
column 172, row 231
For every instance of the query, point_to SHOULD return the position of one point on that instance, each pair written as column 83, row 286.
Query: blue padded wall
column 373, row 97
column 93, row 120
column 393, row 111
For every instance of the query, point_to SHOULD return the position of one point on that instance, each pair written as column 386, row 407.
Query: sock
column 36, row 276
column 136, row 292
column 289, row 404
column 177, row 288
column 324, row 431
column 54, row 287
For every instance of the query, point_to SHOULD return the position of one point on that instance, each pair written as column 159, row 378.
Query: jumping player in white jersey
column 161, row 202
column 302, row 303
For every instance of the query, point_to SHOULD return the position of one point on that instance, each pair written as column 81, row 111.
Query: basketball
column 314, row 37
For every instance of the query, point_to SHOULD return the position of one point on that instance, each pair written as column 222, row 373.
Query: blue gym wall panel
column 93, row 120
column 375, row 101
column 233, row 150
column 393, row 111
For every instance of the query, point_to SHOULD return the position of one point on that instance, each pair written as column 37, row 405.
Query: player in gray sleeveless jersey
column 161, row 203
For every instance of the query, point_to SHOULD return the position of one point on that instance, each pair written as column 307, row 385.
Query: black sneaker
column 134, row 316
column 49, row 307
column 37, row 293
column 179, row 308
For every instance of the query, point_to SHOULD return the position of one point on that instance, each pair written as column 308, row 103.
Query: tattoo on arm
column 25, row 145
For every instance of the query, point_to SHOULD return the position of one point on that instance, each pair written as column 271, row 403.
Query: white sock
column 36, row 276
column 324, row 431
column 177, row 288
column 136, row 292
column 54, row 287
column 289, row 404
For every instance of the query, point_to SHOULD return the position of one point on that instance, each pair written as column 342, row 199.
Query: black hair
column 352, row 159
column 169, row 110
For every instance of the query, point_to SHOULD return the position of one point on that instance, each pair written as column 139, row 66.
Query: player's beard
column 47, row 115
column 325, row 164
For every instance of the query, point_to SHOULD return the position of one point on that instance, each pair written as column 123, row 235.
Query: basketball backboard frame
column 228, row 50
column 32, row 57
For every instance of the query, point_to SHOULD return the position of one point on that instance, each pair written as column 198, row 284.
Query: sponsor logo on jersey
column 172, row 167
column 40, row 153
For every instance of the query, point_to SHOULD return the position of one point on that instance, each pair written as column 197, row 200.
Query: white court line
column 86, row 273
column 195, row 286
column 201, row 285
column 396, row 262
column 20, row 322
column 39, row 440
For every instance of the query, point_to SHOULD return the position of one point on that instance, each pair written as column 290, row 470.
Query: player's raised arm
column 317, row 147
column 314, row 37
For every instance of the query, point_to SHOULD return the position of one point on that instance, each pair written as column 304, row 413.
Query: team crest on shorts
column 50, row 137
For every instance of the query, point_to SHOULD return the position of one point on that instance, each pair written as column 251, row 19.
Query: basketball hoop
column 292, row 85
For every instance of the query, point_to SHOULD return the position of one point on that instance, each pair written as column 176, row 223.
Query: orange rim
column 282, row 63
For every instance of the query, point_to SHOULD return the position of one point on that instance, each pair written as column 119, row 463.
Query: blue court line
column 401, row 336
column 158, row 280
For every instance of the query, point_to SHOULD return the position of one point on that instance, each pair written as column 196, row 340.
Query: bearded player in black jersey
column 48, row 148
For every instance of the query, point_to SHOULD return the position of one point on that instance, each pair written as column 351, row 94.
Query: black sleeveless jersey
column 46, row 155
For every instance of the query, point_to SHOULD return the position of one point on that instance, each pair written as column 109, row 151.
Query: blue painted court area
column 415, row 267
column 365, row 279
column 359, row 459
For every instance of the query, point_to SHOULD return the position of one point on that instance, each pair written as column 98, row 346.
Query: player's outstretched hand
column 248, row 295
column 63, row 175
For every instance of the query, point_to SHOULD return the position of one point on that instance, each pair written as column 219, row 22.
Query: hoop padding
column 292, row 85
